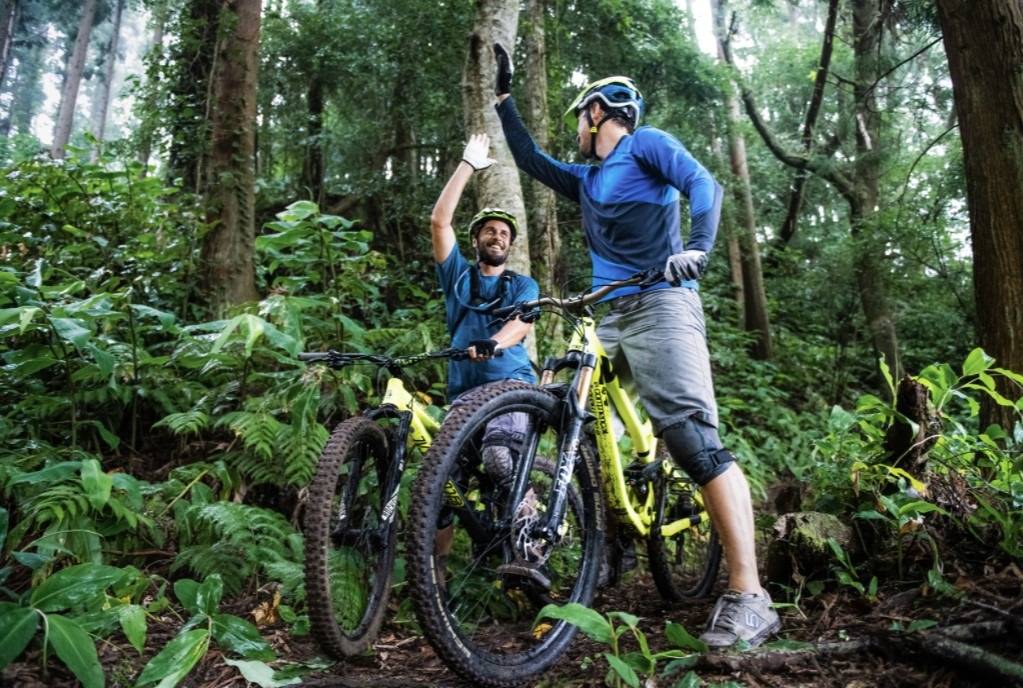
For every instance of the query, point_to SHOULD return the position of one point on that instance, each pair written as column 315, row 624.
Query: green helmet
column 493, row 214
column 614, row 92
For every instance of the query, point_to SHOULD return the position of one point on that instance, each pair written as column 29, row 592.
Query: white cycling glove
column 476, row 152
column 688, row 265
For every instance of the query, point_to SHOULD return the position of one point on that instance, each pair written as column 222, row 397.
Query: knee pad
column 696, row 448
column 499, row 463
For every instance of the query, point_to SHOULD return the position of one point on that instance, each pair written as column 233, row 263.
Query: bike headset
column 616, row 93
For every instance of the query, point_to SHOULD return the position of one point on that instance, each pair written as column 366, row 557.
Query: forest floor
column 836, row 639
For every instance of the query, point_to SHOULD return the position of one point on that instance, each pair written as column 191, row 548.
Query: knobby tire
column 348, row 561
column 686, row 564
column 478, row 619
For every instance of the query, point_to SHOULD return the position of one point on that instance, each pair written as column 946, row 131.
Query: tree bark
column 495, row 21
column 72, row 81
column 984, row 43
column 228, row 249
column 99, row 125
column 755, row 317
column 8, row 14
column 545, row 255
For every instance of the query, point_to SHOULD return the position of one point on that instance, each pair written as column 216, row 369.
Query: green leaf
column 187, row 592
column 17, row 627
column 261, row 674
column 241, row 637
column 71, row 330
column 627, row 673
column 4, row 523
column 679, row 637
column 176, row 659
column 75, row 585
column 133, row 623
column 977, row 362
column 97, row 483
column 209, row 594
column 595, row 626
column 76, row 649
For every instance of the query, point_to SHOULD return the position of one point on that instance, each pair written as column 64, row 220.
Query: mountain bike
column 350, row 528
column 485, row 628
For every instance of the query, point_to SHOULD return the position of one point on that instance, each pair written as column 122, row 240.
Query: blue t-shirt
column 456, row 284
column 630, row 202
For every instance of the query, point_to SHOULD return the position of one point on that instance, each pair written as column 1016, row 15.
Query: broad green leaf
column 17, row 627
column 595, row 626
column 241, row 637
column 97, row 483
column 76, row 649
column 176, row 659
column 627, row 673
column 75, row 585
column 976, row 362
column 187, row 592
column 261, row 674
column 677, row 634
column 209, row 594
column 133, row 623
column 71, row 330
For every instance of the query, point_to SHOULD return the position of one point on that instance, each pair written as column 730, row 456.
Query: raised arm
column 474, row 157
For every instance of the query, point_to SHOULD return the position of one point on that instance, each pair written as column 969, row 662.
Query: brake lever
column 650, row 277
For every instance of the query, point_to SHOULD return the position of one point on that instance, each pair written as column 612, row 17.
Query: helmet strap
column 594, row 130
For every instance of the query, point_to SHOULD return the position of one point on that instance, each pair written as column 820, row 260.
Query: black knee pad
column 696, row 448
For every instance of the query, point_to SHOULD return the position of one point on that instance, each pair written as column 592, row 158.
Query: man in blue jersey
column 471, row 291
column 630, row 204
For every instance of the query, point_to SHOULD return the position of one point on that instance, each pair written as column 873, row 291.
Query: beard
column 494, row 261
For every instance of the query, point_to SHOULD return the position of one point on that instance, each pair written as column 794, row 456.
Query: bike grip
column 313, row 356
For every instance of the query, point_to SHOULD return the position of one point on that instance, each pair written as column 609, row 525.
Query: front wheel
column 349, row 542
column 475, row 600
column 686, row 564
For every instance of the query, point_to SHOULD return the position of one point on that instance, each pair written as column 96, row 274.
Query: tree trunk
column 99, row 126
column 147, row 126
column 867, row 31
column 755, row 318
column 495, row 21
column 8, row 14
column 545, row 254
column 312, row 165
column 73, row 79
column 227, row 251
column 190, row 99
column 984, row 43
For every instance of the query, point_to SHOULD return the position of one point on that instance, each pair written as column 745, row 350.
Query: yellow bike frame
column 422, row 426
column 607, row 397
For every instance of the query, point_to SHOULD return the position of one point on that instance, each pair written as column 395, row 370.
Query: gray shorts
column 506, row 430
column 657, row 343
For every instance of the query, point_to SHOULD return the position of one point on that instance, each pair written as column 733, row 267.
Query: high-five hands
column 476, row 151
column 504, row 71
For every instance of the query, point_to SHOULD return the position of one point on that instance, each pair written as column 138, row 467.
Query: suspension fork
column 396, row 462
column 573, row 416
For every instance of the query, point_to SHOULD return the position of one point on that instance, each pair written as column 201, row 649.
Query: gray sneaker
column 741, row 616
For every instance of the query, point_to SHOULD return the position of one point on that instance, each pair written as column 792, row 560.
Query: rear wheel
column 686, row 564
column 476, row 604
column 349, row 545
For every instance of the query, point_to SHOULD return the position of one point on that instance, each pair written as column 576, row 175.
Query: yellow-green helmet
column 614, row 92
column 493, row 214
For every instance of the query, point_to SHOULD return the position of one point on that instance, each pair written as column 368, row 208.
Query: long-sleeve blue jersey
column 630, row 202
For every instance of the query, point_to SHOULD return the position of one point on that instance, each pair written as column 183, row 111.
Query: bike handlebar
column 647, row 278
column 337, row 359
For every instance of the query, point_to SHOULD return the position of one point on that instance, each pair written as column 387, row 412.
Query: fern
column 237, row 541
column 185, row 423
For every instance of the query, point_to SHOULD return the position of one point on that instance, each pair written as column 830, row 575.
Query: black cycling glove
column 484, row 347
column 504, row 70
